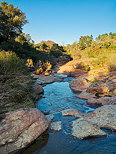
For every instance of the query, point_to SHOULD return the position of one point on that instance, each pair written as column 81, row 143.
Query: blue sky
column 64, row 21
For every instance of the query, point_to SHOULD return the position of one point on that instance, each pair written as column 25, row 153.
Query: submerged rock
column 57, row 126
column 50, row 117
column 21, row 127
column 83, row 129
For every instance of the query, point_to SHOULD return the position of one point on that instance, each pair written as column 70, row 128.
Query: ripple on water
column 59, row 96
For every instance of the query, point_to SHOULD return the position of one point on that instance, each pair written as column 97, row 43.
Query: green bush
column 56, row 53
column 11, row 64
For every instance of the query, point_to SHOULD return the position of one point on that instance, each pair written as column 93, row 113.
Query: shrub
column 56, row 53
column 11, row 64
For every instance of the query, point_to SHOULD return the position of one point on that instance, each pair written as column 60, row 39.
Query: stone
column 77, row 73
column 83, row 129
column 104, row 87
column 104, row 116
column 85, row 95
column 79, row 85
column 57, row 126
column 20, row 128
column 42, row 79
column 50, row 117
column 102, row 101
column 72, row 112
column 38, row 89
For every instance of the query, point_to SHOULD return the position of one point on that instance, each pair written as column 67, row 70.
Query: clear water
column 58, row 96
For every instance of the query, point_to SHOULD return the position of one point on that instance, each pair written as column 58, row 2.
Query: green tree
column 11, row 21
column 85, row 41
column 24, row 38
column 102, row 37
column 44, row 46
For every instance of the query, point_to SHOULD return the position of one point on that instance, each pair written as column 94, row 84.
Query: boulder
column 77, row 73
column 20, row 128
column 72, row 112
column 104, row 87
column 104, row 117
column 42, row 79
column 38, row 89
column 102, row 101
column 79, row 85
column 83, row 129
column 85, row 95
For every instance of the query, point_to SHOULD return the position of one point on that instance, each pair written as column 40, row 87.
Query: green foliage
column 43, row 46
column 25, row 38
column 43, row 67
column 82, row 66
column 11, row 21
column 85, row 41
column 56, row 53
column 56, row 47
column 11, row 64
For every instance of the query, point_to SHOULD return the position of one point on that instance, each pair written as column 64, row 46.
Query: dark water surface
column 58, row 96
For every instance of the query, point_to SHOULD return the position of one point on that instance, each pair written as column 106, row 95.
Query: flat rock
column 83, row 129
column 42, row 79
column 20, row 128
column 102, row 101
column 85, row 95
column 104, row 117
column 72, row 112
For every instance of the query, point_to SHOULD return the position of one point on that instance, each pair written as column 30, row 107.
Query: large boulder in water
column 21, row 127
column 104, row 117
column 89, row 124
column 83, row 129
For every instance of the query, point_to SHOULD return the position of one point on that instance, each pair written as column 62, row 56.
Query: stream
column 59, row 96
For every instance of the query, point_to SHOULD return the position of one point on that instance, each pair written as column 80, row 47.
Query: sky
column 64, row 21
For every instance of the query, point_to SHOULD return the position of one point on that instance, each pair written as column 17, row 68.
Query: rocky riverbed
column 72, row 120
column 66, row 115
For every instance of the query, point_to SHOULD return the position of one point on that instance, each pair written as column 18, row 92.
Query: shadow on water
column 58, row 96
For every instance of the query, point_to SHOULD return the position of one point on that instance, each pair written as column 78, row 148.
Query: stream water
column 59, row 96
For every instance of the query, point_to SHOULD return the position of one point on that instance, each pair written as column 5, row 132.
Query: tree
column 85, row 41
column 43, row 46
column 24, row 38
column 11, row 21
column 57, row 47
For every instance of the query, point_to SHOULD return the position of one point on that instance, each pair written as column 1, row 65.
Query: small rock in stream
column 57, row 126
column 50, row 117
